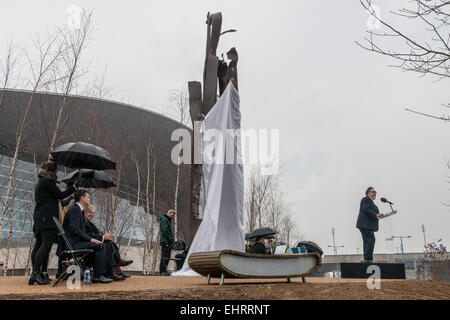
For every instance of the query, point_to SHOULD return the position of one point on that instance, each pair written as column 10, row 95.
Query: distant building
column 125, row 131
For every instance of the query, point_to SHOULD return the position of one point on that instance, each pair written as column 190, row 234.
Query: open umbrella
column 248, row 237
column 88, row 178
column 83, row 155
column 263, row 232
column 311, row 246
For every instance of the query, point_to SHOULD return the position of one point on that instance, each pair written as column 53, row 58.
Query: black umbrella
column 263, row 232
column 310, row 246
column 88, row 178
column 83, row 155
column 248, row 237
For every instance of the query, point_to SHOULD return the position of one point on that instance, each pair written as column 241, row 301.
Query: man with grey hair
column 367, row 222
column 166, row 240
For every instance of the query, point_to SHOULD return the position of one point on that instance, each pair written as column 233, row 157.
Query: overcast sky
column 339, row 109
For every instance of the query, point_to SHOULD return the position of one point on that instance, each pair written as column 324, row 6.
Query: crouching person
column 75, row 226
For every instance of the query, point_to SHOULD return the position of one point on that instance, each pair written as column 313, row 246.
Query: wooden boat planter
column 234, row 264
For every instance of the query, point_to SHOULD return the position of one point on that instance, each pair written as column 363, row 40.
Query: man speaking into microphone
column 367, row 222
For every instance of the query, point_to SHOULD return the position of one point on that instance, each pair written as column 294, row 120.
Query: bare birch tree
column 179, row 100
column 48, row 53
column 256, row 198
column 266, row 206
column 8, row 67
column 68, row 71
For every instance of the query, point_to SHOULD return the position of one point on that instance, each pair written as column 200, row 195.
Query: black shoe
column 102, row 279
column 124, row 263
column 116, row 277
column 125, row 275
column 37, row 277
column 165, row 274
column 46, row 277
column 119, row 271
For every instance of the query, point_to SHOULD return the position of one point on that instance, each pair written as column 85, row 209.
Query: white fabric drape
column 222, row 226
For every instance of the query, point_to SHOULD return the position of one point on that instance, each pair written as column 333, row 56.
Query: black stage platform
column 360, row 270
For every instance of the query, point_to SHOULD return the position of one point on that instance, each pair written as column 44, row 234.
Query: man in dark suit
column 367, row 222
column 113, row 258
column 75, row 227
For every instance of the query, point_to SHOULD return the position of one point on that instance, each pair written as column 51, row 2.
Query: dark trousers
column 182, row 257
column 112, row 253
column 112, row 256
column 41, row 250
column 165, row 256
column 368, row 243
column 99, row 256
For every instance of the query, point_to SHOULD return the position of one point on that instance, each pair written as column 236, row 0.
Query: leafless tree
column 69, row 70
column 256, row 198
column 8, row 67
column 48, row 52
column 266, row 206
column 288, row 232
column 179, row 102
column 429, row 55
column 137, row 207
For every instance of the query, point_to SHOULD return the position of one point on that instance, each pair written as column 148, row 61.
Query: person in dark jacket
column 259, row 247
column 113, row 258
column 166, row 240
column 47, row 196
column 75, row 226
column 367, row 222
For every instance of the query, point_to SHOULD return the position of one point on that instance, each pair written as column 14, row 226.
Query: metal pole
column 334, row 242
column 424, row 238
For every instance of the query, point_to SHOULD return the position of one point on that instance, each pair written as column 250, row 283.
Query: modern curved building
column 138, row 139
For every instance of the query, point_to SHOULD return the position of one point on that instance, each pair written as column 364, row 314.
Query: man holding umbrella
column 260, row 234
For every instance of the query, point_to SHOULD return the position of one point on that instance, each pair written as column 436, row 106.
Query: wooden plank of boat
column 234, row 264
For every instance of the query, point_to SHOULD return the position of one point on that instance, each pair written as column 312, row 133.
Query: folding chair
column 176, row 246
column 77, row 255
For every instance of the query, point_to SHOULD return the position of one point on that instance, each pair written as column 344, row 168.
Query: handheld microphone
column 385, row 200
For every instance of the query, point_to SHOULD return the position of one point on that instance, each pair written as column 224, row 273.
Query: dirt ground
column 195, row 288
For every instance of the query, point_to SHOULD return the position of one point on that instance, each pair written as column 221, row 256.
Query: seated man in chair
column 113, row 259
column 75, row 227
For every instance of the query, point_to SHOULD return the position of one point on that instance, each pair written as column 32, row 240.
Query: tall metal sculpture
column 215, row 72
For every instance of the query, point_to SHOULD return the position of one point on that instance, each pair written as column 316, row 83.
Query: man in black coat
column 75, row 227
column 113, row 258
column 259, row 247
column 367, row 222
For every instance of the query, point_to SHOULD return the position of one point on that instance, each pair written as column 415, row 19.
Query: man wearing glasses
column 367, row 222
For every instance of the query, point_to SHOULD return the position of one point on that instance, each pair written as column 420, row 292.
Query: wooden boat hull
column 234, row 264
